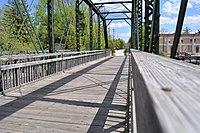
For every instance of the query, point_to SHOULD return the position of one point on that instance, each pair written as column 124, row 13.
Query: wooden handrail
column 167, row 94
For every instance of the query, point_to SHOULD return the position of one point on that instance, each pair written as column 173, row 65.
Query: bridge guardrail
column 15, row 75
column 166, row 94
column 14, row 59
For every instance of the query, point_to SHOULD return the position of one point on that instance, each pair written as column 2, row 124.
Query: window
column 190, row 40
column 190, row 48
column 195, row 40
column 197, row 49
column 181, row 41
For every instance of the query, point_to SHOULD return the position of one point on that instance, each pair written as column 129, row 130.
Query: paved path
column 88, row 98
column 119, row 52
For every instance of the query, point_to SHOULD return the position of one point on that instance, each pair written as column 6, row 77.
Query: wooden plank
column 167, row 94
column 70, row 101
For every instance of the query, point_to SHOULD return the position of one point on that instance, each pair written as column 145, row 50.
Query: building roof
column 184, row 34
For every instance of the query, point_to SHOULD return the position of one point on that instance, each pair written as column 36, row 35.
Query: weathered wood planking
column 88, row 98
column 167, row 94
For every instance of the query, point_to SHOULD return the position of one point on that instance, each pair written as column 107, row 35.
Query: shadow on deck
column 106, row 114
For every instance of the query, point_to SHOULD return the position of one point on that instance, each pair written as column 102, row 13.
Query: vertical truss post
column 77, row 26
column 148, row 14
column 136, row 25
column 179, row 27
column 133, row 25
column 154, row 38
column 91, row 29
column 50, row 11
column 139, row 23
column 99, row 32
column 105, row 34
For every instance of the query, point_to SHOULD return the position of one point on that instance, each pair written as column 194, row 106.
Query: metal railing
column 15, row 75
column 21, row 58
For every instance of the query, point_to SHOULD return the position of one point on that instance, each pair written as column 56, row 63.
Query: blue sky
column 169, row 10
column 169, row 15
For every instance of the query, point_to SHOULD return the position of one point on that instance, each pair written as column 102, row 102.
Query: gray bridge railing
column 166, row 94
column 16, row 75
column 21, row 58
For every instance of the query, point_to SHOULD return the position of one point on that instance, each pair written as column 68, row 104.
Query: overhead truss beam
column 118, row 18
column 94, row 8
column 112, row 2
column 116, row 12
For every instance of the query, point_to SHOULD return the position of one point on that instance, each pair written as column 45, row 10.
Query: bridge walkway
column 87, row 98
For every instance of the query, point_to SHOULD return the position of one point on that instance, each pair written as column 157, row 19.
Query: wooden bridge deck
column 86, row 98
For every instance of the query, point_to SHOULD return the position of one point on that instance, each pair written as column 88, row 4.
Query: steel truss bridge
column 92, row 91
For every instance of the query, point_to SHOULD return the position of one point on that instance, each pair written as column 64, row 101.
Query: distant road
column 119, row 52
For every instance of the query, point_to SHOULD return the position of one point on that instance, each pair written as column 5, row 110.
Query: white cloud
column 193, row 20
column 169, row 9
column 168, row 20
column 172, row 6
column 119, row 25
column 127, row 34
column 189, row 20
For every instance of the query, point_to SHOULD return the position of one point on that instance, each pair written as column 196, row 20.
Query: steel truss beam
column 116, row 12
column 91, row 29
column 117, row 2
column 148, row 15
column 117, row 19
column 109, row 22
column 105, row 34
column 94, row 8
column 154, row 38
column 139, row 23
column 133, row 25
column 152, row 16
column 99, row 32
column 179, row 27
column 77, row 26
column 50, row 12
column 136, row 30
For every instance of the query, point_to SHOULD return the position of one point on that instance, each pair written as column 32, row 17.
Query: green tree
column 186, row 30
column 12, row 23
column 65, row 25
column 119, row 43
column 40, row 19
